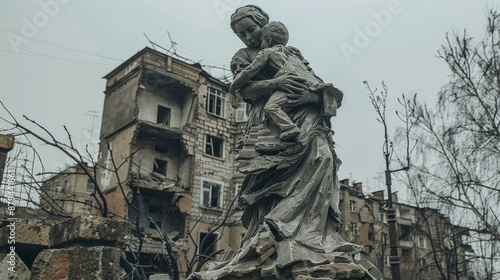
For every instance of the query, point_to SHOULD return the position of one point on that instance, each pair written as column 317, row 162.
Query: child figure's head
column 274, row 33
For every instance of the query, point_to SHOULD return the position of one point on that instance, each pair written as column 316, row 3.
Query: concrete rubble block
column 6, row 142
column 26, row 234
column 89, row 229
column 159, row 277
column 100, row 262
column 12, row 267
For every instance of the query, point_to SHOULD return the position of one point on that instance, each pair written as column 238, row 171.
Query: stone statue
column 290, row 192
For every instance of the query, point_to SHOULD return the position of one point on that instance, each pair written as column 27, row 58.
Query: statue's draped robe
column 294, row 193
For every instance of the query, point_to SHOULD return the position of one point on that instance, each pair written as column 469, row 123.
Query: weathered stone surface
column 6, row 142
column 338, row 271
column 159, row 277
column 88, row 228
column 26, row 234
column 303, row 277
column 20, row 272
column 78, row 263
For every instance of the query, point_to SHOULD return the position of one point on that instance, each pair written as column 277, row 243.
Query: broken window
column 90, row 185
column 160, row 166
column 206, row 246
column 211, row 194
column 405, row 232
column 213, row 146
column 352, row 206
column 241, row 112
column 216, row 103
column 163, row 115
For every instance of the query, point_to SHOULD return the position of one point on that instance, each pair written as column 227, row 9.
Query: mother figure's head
column 247, row 22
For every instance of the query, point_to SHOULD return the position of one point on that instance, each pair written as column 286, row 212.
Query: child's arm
column 250, row 71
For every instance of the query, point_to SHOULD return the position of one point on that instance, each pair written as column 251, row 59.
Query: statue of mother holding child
column 290, row 193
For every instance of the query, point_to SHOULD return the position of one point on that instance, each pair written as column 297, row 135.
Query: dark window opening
column 405, row 232
column 213, row 146
column 160, row 166
column 163, row 115
column 211, row 194
column 216, row 102
column 206, row 247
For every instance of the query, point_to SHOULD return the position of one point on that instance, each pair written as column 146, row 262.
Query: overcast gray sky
column 55, row 53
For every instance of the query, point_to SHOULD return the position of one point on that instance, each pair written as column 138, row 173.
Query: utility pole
column 391, row 220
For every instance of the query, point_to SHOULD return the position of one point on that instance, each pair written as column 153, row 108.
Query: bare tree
column 456, row 166
column 379, row 102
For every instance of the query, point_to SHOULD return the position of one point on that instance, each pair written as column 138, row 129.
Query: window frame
column 354, row 229
column 200, row 247
column 421, row 242
column 241, row 110
column 382, row 217
column 216, row 98
column 387, row 260
column 89, row 182
column 220, row 147
column 352, row 206
column 156, row 165
column 167, row 113
column 211, row 183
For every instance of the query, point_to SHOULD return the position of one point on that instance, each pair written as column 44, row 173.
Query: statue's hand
column 305, row 97
column 290, row 83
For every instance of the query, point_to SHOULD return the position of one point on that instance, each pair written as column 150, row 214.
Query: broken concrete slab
column 12, row 267
column 98, row 262
column 26, row 234
column 89, row 229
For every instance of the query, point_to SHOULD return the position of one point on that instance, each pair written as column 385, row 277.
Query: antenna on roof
column 173, row 52
column 173, row 45
column 151, row 42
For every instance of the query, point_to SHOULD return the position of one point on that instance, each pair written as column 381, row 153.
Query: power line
column 64, row 47
column 64, row 59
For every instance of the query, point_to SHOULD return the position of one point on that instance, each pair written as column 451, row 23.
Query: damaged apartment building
column 167, row 147
column 428, row 243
